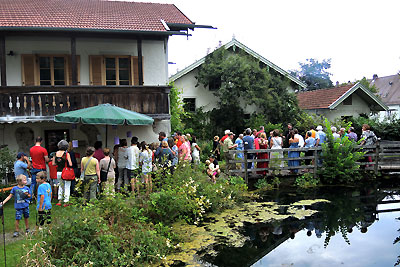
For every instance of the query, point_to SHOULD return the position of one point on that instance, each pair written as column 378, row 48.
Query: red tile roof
column 322, row 98
column 89, row 14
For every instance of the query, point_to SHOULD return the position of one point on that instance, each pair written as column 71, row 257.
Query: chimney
column 375, row 76
column 337, row 83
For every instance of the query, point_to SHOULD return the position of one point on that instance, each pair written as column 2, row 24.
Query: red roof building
column 90, row 15
column 338, row 102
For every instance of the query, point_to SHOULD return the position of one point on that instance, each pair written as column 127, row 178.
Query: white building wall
column 155, row 57
column 392, row 113
column 204, row 97
column 148, row 133
column 358, row 107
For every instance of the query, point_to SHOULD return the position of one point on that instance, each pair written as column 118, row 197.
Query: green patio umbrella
column 107, row 114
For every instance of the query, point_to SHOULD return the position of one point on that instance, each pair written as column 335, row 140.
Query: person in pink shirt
column 184, row 150
column 98, row 153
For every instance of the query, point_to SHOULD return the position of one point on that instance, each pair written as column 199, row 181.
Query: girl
column 146, row 158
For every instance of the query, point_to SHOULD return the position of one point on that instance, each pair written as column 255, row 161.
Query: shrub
column 307, row 180
column 340, row 158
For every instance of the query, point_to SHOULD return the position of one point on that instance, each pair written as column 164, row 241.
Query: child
column 43, row 198
column 213, row 168
column 22, row 195
column 146, row 157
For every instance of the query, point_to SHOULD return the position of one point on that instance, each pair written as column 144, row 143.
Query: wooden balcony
column 39, row 103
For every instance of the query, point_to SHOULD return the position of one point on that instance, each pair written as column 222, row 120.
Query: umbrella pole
column 106, row 134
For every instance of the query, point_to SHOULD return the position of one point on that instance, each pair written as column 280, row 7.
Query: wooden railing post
column 315, row 162
column 377, row 149
column 246, row 177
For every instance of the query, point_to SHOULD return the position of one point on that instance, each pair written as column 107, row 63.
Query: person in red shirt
column 224, row 137
column 98, row 153
column 39, row 157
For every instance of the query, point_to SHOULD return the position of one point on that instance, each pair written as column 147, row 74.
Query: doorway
column 52, row 137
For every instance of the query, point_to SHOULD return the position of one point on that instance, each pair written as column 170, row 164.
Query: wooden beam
column 74, row 65
column 3, row 60
column 140, row 61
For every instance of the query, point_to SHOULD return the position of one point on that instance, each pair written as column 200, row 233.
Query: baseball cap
column 20, row 155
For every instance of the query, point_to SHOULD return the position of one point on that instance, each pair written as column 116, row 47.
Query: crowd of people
column 131, row 166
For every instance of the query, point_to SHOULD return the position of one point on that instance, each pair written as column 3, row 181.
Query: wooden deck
column 385, row 156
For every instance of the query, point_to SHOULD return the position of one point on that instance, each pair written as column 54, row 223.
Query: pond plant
column 120, row 230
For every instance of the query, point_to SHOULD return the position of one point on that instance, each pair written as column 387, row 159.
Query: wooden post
column 3, row 60
column 377, row 149
column 140, row 61
column 246, row 177
column 74, row 66
column 315, row 162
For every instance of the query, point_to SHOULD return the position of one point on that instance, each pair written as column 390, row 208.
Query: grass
column 15, row 249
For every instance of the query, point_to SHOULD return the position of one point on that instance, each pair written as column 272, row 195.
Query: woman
column 164, row 154
column 71, row 152
column 91, row 171
column 309, row 142
column 262, row 144
column 195, row 151
column 293, row 143
column 107, row 164
column 121, row 162
column 61, row 159
column 276, row 143
column 216, row 148
column 368, row 138
column 146, row 159
column 184, row 151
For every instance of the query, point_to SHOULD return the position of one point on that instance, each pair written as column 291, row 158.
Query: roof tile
column 89, row 14
column 321, row 98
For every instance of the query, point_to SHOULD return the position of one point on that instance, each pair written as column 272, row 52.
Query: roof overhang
column 236, row 43
column 366, row 94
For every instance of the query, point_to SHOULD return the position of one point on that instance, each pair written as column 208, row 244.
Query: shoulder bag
column 103, row 174
column 84, row 169
column 68, row 173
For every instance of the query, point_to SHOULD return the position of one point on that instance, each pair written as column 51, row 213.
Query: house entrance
column 52, row 137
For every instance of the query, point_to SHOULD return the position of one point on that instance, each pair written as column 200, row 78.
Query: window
column 348, row 101
column 113, row 70
column 117, row 70
column 52, row 70
column 214, row 84
column 48, row 69
column 189, row 104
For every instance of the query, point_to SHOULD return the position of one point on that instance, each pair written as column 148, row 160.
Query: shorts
column 19, row 212
column 44, row 217
column 133, row 174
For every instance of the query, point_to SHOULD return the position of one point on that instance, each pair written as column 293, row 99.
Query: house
column 349, row 100
column 57, row 56
column 389, row 91
column 202, row 96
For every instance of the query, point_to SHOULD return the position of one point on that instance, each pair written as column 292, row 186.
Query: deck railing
column 384, row 155
column 42, row 101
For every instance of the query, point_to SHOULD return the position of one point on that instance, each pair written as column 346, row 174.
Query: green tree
column 176, row 107
column 367, row 85
column 315, row 74
column 242, row 79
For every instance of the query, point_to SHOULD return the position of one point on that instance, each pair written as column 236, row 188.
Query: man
column 21, row 166
column 240, row 147
column 228, row 144
column 224, row 137
column 287, row 134
column 39, row 158
column 162, row 137
column 352, row 135
column 248, row 143
column 320, row 136
column 132, row 163
column 334, row 133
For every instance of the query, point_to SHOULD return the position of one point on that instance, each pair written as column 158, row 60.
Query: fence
column 385, row 155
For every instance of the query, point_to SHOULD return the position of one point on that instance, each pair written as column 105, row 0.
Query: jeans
column 33, row 183
column 123, row 178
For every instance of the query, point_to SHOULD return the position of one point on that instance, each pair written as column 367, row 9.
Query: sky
column 361, row 37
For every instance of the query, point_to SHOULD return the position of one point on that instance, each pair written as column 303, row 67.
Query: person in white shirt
column 301, row 139
column 334, row 133
column 132, row 164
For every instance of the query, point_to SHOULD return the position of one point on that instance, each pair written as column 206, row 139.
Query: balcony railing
column 43, row 102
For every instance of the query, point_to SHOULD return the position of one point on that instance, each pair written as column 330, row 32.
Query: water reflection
column 357, row 228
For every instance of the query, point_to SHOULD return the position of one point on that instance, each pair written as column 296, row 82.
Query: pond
column 357, row 227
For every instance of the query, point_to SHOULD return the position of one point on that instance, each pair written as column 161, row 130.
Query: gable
column 236, row 44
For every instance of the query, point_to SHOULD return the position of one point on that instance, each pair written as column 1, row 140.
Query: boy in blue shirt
column 43, row 198
column 21, row 194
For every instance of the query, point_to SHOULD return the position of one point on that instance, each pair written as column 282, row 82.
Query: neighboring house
column 203, row 96
column 389, row 90
column 58, row 55
column 341, row 102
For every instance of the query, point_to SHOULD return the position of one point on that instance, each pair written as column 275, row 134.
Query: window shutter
column 96, row 70
column 69, row 64
column 28, row 70
column 135, row 70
